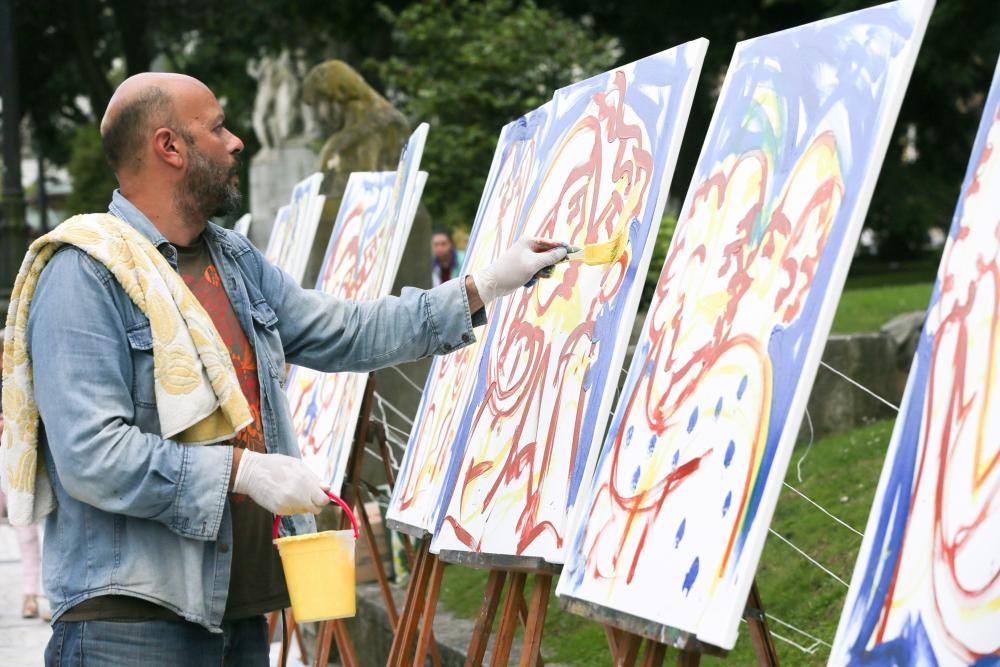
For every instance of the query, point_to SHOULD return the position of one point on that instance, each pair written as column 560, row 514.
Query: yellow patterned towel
column 198, row 396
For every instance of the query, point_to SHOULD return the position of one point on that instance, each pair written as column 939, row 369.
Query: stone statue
column 279, row 115
column 365, row 131
column 263, row 69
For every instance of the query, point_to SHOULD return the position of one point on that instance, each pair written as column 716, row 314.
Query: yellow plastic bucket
column 319, row 570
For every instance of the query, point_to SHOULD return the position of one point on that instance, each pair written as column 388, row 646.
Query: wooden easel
column 337, row 630
column 420, row 605
column 626, row 634
column 532, row 615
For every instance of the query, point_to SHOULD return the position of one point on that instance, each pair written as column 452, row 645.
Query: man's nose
column 237, row 145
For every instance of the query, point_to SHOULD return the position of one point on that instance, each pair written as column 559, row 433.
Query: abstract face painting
column 279, row 235
column 289, row 244
column 672, row 527
column 354, row 267
column 430, row 458
column 360, row 264
column 548, row 368
column 926, row 588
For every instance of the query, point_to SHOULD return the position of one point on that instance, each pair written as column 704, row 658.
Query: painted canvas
column 926, row 588
column 279, row 234
column 430, row 458
column 360, row 264
column 290, row 243
column 549, row 364
column 674, row 521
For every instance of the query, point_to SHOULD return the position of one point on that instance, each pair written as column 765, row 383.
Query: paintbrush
column 606, row 252
column 592, row 254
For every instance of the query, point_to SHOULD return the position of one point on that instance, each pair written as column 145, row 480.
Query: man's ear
column 169, row 147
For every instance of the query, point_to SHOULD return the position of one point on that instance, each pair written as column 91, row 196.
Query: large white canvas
column 548, row 368
column 430, row 458
column 290, row 242
column 672, row 527
column 360, row 264
column 926, row 587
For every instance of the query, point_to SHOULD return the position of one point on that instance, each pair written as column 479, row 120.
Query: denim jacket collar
column 122, row 208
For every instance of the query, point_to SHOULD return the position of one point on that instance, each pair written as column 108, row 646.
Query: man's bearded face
column 211, row 188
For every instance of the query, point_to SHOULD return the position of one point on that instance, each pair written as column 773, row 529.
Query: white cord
column 808, row 557
column 858, row 385
column 812, row 436
column 408, row 380
column 825, row 511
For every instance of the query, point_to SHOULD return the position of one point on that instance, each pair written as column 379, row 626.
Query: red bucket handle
column 335, row 498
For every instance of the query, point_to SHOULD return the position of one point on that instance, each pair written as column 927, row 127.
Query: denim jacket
column 146, row 517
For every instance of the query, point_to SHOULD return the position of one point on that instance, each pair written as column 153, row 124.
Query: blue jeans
column 157, row 644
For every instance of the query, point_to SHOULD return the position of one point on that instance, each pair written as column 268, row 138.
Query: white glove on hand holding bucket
column 517, row 266
column 280, row 484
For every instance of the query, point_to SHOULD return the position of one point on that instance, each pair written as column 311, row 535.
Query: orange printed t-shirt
column 256, row 581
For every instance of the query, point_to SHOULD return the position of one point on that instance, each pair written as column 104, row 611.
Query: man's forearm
column 475, row 302
column 237, row 455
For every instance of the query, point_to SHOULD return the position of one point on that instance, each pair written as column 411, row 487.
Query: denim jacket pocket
column 140, row 342
column 265, row 323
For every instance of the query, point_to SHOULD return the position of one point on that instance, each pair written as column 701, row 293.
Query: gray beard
column 206, row 192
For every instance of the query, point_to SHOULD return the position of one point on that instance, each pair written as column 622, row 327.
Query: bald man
column 159, row 553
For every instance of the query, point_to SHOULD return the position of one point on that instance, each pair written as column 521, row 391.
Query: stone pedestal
column 273, row 174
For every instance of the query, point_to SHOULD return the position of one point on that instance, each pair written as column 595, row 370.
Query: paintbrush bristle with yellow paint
column 592, row 254
column 595, row 254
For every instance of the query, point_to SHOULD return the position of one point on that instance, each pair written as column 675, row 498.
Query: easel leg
column 624, row 646
column 411, row 610
column 348, row 658
column 323, row 639
column 760, row 632
column 536, row 620
column 296, row 632
column 655, row 653
column 426, row 637
column 629, row 646
column 687, row 658
column 484, row 622
column 508, row 620
column 522, row 612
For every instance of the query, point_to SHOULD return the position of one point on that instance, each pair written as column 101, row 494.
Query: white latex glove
column 280, row 484
column 517, row 266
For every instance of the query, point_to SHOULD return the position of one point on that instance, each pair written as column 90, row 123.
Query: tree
column 91, row 187
column 500, row 60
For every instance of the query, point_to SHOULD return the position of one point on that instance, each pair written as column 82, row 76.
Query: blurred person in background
column 446, row 260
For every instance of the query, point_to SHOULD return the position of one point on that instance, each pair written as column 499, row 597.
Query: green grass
column 876, row 291
column 840, row 472
column 868, row 308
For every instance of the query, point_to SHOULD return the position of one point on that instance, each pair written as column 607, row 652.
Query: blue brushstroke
column 728, row 501
column 718, row 408
column 635, row 477
column 652, row 444
column 693, row 419
column 742, row 388
column 680, row 533
column 676, row 459
column 690, row 577
column 730, row 450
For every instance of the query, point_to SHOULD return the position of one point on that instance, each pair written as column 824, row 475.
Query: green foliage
column 93, row 180
column 663, row 237
column 468, row 68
